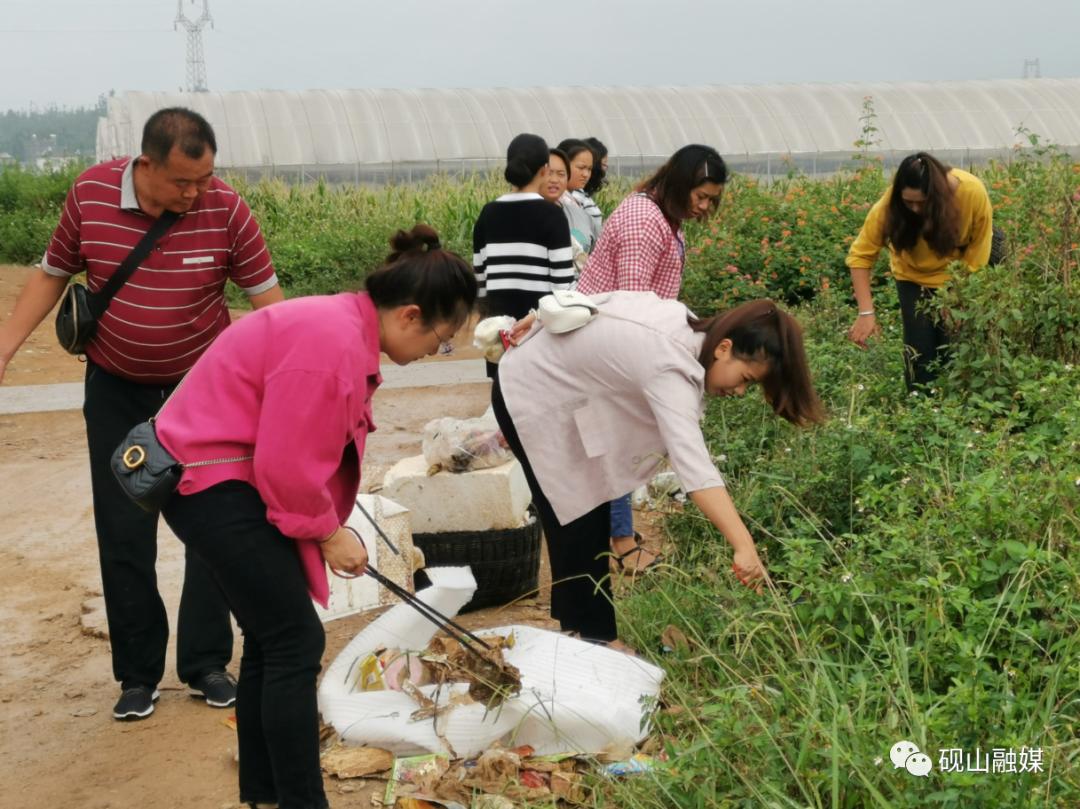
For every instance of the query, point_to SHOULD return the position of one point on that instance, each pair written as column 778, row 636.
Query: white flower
column 1077, row 481
column 877, row 761
column 860, row 386
column 905, row 481
column 1068, row 366
column 970, row 445
column 977, row 431
column 846, row 578
column 787, row 449
column 914, row 394
column 721, row 458
column 1042, row 390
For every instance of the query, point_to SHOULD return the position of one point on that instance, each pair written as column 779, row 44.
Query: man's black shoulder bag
column 80, row 308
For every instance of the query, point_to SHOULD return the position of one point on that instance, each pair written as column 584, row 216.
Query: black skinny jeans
column 127, row 549
column 258, row 569
column 581, row 599
column 925, row 342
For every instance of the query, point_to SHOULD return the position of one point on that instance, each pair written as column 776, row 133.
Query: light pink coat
column 597, row 409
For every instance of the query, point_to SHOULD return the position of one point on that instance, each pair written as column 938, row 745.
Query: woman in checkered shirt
column 642, row 249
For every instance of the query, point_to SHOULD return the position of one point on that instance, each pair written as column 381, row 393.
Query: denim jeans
column 622, row 517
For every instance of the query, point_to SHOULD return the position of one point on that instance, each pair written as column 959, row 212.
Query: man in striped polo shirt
column 156, row 326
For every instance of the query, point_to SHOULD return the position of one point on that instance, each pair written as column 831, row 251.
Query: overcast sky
column 69, row 51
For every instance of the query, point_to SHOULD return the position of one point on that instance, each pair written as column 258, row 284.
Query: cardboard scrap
column 344, row 761
column 415, row 776
column 674, row 639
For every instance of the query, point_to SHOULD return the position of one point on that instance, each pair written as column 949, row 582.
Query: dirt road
column 59, row 746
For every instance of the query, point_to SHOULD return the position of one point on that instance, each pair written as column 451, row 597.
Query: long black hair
column 761, row 331
column 684, row 171
column 938, row 222
column 599, row 174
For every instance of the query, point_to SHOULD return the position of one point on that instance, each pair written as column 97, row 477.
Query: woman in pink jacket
column 286, row 392
column 591, row 413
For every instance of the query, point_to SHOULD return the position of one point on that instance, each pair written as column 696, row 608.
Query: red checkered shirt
column 638, row 251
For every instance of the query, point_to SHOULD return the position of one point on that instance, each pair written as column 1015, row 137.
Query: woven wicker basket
column 505, row 563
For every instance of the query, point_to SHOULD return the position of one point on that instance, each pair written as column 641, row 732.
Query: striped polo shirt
column 521, row 252
column 173, row 306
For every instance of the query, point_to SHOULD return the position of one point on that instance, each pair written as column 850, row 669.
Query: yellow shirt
column 921, row 264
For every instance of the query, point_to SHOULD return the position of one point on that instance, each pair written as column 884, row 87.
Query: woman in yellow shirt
column 929, row 217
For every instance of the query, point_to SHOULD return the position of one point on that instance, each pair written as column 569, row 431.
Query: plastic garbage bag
column 488, row 336
column 575, row 696
column 462, row 445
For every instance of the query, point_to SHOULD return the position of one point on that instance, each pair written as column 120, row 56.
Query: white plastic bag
column 575, row 696
column 487, row 336
column 462, row 445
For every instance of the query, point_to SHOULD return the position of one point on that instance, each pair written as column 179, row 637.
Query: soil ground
column 59, row 746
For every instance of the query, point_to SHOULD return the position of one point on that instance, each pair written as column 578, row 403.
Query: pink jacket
column 598, row 409
column 290, row 384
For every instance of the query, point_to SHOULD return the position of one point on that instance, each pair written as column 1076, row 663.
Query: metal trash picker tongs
column 447, row 625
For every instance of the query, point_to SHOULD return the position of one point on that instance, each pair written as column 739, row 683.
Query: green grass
column 924, row 549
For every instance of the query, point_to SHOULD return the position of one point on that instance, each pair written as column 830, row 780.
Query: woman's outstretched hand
column 864, row 327
column 345, row 553
column 748, row 568
column 521, row 328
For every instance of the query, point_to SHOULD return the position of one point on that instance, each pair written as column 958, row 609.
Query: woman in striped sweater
column 521, row 242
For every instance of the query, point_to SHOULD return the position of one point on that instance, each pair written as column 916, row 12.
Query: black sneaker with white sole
column 218, row 688
column 135, row 703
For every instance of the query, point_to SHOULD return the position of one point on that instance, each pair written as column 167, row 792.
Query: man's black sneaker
column 136, row 702
column 218, row 688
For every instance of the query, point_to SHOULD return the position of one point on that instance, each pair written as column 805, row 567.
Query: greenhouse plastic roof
column 459, row 127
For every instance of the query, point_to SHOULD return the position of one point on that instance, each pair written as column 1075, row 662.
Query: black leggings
column 925, row 342
column 581, row 598
column 258, row 569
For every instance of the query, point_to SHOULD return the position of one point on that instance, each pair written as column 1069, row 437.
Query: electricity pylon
column 196, row 65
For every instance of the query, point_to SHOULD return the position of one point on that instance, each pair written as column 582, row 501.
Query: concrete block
column 349, row 596
column 484, row 500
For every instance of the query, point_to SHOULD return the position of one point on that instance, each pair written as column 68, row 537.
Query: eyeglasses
column 445, row 346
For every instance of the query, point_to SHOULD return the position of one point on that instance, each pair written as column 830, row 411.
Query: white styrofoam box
column 483, row 500
column 349, row 596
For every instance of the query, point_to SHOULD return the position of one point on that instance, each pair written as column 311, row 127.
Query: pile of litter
column 497, row 779
column 519, row 720
column 573, row 697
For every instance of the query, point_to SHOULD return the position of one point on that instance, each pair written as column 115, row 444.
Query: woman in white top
column 583, row 227
column 552, row 189
column 591, row 413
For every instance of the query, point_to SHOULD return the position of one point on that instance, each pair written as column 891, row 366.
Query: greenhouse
column 379, row 135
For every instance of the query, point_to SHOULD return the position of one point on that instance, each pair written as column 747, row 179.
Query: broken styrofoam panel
column 482, row 500
column 576, row 696
column 350, row 596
